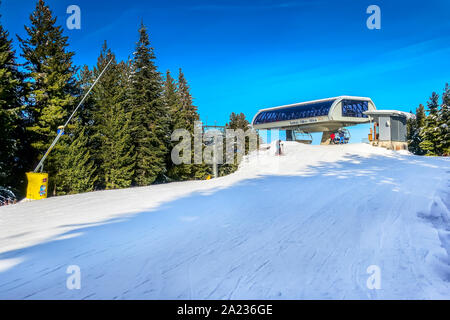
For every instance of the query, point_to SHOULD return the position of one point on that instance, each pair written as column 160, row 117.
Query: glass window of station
column 354, row 109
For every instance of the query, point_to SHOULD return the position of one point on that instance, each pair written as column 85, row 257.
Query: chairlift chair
column 347, row 136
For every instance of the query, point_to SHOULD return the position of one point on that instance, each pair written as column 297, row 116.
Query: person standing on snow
column 278, row 146
column 332, row 137
column 341, row 137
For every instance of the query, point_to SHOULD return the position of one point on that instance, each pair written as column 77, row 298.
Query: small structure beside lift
column 389, row 128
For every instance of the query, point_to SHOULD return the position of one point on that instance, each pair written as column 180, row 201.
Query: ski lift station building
column 324, row 115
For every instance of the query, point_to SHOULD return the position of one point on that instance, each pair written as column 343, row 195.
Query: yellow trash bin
column 37, row 185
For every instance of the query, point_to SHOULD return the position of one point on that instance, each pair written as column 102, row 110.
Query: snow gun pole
column 40, row 166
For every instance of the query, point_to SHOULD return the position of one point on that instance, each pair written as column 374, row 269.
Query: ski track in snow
column 305, row 225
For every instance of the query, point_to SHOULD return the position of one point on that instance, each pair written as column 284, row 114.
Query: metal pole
column 40, row 166
column 215, row 167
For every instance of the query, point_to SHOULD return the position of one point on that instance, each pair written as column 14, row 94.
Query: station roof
column 294, row 111
column 316, row 109
column 377, row 113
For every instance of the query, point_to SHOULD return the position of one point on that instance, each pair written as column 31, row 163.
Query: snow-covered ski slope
column 305, row 225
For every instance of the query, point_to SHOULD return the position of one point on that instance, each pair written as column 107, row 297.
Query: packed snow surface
column 305, row 225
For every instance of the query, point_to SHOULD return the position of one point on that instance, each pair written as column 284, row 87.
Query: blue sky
column 245, row 55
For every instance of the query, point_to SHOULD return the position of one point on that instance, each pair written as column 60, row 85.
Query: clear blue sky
column 244, row 55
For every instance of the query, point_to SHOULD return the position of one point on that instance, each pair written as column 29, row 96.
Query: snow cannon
column 37, row 185
column 37, row 180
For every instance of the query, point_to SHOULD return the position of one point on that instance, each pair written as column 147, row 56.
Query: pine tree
column 431, row 133
column 79, row 171
column 237, row 121
column 186, row 114
column 111, row 142
column 12, row 138
column 202, row 170
column 150, row 118
column 444, row 122
column 415, row 127
column 189, row 115
column 89, row 118
column 172, row 103
column 117, row 153
column 52, row 83
column 85, row 113
column 77, row 168
column 171, row 98
column 184, row 117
